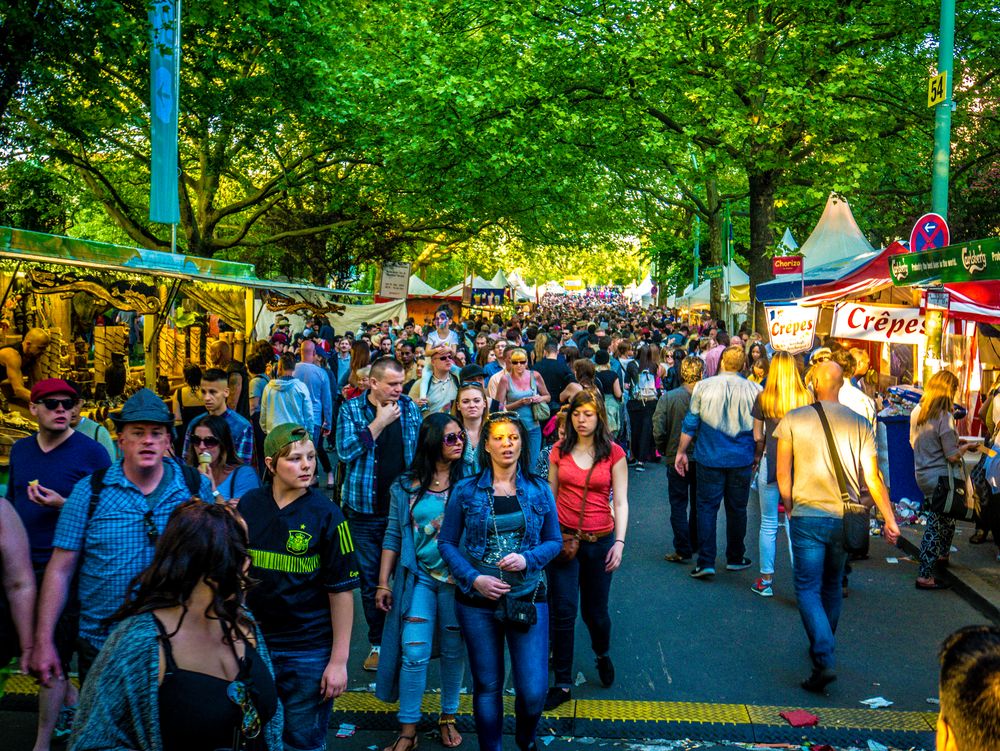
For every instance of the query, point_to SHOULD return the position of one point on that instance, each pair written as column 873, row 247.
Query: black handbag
column 953, row 500
column 517, row 613
column 857, row 522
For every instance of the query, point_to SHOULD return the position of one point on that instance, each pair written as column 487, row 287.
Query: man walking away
column 318, row 383
column 810, row 491
column 286, row 399
column 667, row 421
column 721, row 416
column 376, row 439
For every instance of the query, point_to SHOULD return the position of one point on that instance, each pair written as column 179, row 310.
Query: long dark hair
column 486, row 461
column 219, row 428
column 202, row 541
column 428, row 453
column 602, row 436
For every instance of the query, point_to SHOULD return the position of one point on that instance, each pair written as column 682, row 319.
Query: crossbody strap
column 838, row 467
column 583, row 503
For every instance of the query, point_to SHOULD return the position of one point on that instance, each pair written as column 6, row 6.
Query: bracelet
column 382, row 586
column 621, row 541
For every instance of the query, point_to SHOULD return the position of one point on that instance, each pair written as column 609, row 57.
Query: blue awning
column 790, row 286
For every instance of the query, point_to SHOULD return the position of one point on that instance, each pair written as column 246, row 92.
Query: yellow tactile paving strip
column 611, row 711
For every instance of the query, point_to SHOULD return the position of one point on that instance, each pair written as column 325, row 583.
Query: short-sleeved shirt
column 933, row 442
column 301, row 554
column 115, row 543
column 435, row 340
column 557, row 376
column 597, row 516
column 58, row 470
column 257, row 384
column 815, row 491
column 240, row 429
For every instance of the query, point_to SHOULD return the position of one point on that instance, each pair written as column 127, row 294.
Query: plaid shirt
column 114, row 544
column 240, row 429
column 356, row 448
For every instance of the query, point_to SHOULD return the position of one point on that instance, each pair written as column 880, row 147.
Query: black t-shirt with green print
column 301, row 554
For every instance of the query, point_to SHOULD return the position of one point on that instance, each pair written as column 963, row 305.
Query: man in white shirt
column 850, row 395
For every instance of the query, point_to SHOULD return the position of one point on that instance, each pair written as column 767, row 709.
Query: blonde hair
column 541, row 339
column 938, row 397
column 784, row 390
column 471, row 386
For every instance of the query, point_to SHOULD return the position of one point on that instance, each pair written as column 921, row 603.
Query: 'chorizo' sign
column 791, row 328
column 878, row 323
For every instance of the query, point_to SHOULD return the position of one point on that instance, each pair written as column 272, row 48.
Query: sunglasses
column 443, row 358
column 452, row 439
column 151, row 531
column 54, row 404
column 209, row 442
column 240, row 696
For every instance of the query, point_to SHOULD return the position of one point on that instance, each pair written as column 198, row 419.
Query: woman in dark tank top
column 211, row 686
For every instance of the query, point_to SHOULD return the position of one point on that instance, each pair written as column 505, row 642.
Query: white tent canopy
column 475, row 282
column 419, row 288
column 500, row 280
column 835, row 237
column 701, row 296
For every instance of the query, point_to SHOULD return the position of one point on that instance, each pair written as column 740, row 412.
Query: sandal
column 411, row 738
column 449, row 733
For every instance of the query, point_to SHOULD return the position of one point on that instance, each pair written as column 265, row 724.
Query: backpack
column 645, row 387
column 192, row 478
column 613, row 409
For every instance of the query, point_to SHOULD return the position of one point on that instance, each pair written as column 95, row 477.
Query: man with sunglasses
column 442, row 389
column 107, row 531
column 44, row 467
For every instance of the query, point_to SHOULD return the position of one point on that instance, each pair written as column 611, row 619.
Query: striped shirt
column 115, row 545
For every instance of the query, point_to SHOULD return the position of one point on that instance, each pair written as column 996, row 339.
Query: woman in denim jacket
column 500, row 529
column 421, row 602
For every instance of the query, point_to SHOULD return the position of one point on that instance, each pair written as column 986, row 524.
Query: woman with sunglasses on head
column 421, row 601
column 211, row 451
column 500, row 530
column 186, row 669
column 588, row 469
column 470, row 409
column 519, row 391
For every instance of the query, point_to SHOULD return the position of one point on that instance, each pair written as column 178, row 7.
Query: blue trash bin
column 902, row 480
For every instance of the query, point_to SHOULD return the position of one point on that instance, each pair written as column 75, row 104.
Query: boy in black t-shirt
column 304, row 559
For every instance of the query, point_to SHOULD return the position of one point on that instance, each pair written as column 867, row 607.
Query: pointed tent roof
column 835, row 237
column 500, row 279
column 419, row 288
column 788, row 242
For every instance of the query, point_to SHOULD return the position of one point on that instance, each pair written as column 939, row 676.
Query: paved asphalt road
column 681, row 639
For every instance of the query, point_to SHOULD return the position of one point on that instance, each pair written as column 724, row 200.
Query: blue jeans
column 297, row 676
column 321, row 455
column 534, row 442
column 718, row 485
column 581, row 582
column 768, row 539
column 367, row 533
column 432, row 611
column 683, row 493
column 818, row 567
column 529, row 652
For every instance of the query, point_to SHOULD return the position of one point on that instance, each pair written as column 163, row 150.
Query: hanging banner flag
column 165, row 61
column 791, row 328
column 878, row 323
column 973, row 261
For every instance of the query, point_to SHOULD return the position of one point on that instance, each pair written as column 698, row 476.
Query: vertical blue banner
column 165, row 60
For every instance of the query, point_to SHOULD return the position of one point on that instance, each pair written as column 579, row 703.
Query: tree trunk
column 714, row 220
column 763, row 185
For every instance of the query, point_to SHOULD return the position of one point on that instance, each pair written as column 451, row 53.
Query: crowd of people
column 470, row 479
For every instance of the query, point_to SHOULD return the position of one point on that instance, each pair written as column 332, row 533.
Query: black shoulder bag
column 857, row 524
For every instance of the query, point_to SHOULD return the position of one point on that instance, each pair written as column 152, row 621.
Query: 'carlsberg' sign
column 878, row 323
column 975, row 261
column 791, row 328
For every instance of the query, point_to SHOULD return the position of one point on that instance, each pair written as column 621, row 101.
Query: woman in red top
column 588, row 474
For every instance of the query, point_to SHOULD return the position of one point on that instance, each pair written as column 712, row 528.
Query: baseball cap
column 51, row 387
column 282, row 435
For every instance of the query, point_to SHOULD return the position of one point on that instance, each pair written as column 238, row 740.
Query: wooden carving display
column 122, row 294
column 279, row 303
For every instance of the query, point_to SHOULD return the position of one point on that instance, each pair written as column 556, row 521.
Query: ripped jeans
column 432, row 611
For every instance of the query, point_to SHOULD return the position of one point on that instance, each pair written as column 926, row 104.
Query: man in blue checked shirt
column 111, row 541
column 215, row 392
column 376, row 438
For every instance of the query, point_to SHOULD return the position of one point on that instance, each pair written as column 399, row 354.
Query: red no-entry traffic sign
column 930, row 232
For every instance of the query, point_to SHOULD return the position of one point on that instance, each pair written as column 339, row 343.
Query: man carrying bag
column 819, row 482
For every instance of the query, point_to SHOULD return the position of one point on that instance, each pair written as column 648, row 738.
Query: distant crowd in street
column 471, row 480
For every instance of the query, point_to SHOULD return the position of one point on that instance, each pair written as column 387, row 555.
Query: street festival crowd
column 471, row 480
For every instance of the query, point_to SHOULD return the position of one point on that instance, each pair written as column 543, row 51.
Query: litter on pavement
column 876, row 702
column 800, row 718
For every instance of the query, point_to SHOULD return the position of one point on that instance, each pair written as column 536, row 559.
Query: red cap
column 51, row 387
